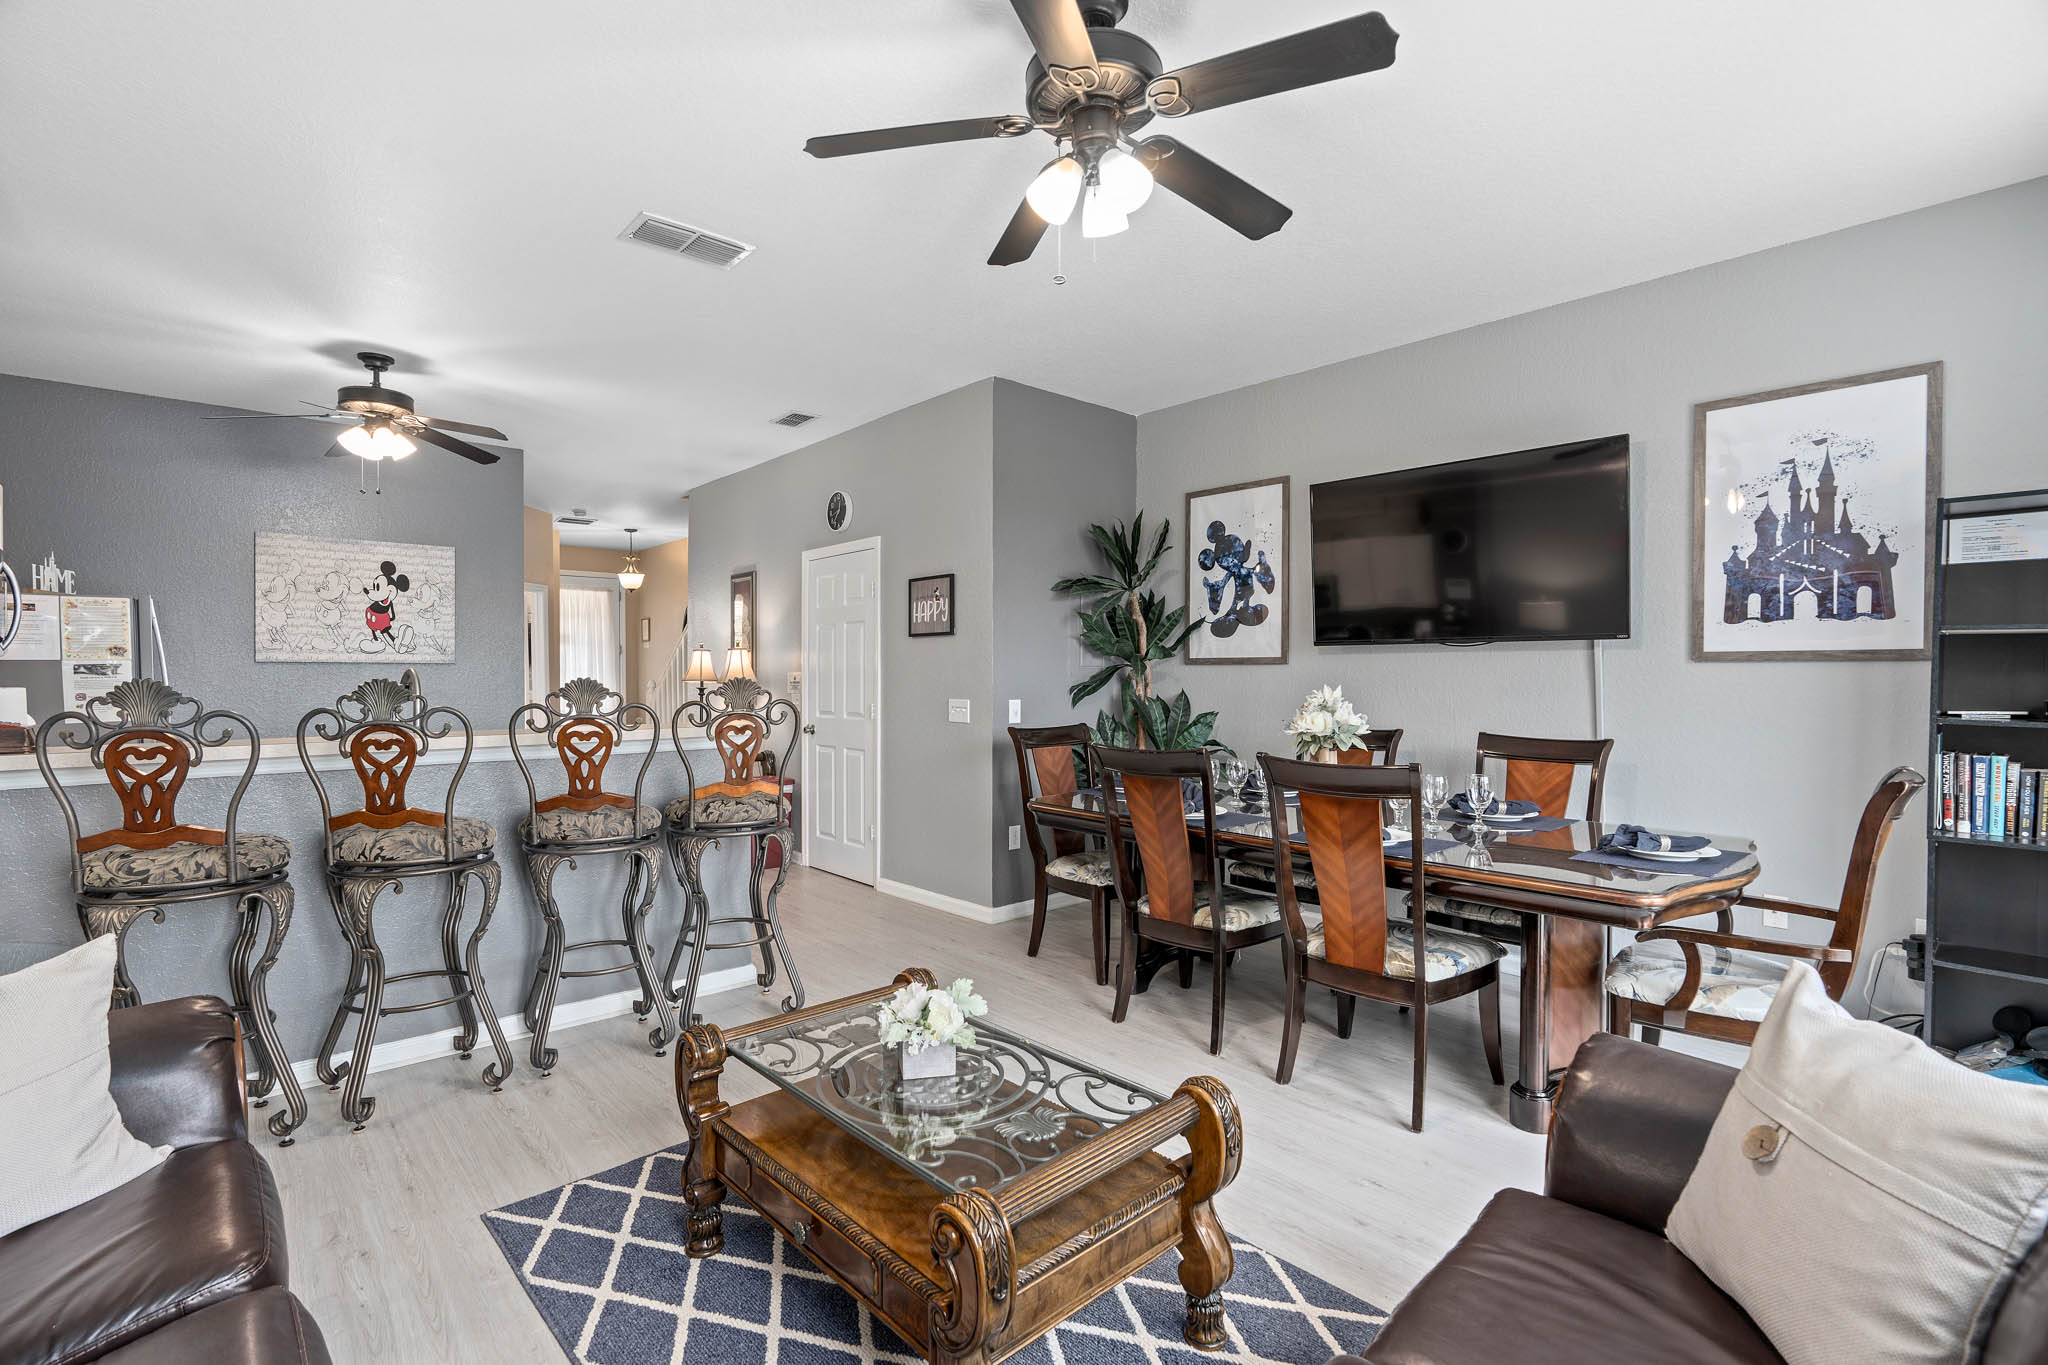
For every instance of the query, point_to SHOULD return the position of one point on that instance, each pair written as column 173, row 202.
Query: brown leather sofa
column 185, row 1264
column 1582, row 1273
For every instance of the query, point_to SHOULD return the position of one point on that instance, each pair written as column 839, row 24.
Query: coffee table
column 971, row 1213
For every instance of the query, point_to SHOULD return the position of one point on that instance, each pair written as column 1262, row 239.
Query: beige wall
column 544, row 566
column 662, row 599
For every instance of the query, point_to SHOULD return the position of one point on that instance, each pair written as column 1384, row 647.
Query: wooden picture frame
column 1840, row 559
column 646, row 630
column 929, row 606
column 740, row 611
column 1250, row 553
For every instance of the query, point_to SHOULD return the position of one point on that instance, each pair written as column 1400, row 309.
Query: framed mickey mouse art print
column 1237, row 573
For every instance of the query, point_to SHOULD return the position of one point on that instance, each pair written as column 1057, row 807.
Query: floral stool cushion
column 1733, row 984
column 121, row 869
column 411, row 842
column 1450, row 952
column 591, row 826
column 1241, row 909
column 755, row 808
column 1090, row 869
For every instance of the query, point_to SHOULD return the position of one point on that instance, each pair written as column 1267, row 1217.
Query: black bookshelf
column 1987, row 902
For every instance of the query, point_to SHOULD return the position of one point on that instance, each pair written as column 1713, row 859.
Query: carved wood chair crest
column 584, row 722
column 739, row 717
column 382, row 727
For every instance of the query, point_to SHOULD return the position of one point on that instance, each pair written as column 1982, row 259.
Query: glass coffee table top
column 1013, row 1105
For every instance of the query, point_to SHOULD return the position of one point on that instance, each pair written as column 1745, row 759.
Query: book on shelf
column 2030, row 804
column 1985, row 715
column 1997, row 798
column 1945, row 779
column 2013, row 773
column 1980, row 795
column 1991, row 796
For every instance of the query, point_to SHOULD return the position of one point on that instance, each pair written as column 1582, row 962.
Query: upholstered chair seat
column 1450, row 952
column 1242, row 909
column 591, row 826
column 1259, row 877
column 412, row 842
column 181, row 864
column 1477, row 913
column 752, row 809
column 1733, row 984
column 1090, row 869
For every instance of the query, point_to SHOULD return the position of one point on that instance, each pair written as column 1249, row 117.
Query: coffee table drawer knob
column 801, row 1232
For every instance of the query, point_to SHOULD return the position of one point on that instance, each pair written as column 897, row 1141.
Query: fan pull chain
column 361, row 476
column 1059, row 254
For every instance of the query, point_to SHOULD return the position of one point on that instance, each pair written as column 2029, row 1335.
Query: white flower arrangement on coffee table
column 919, row 1017
column 1326, row 721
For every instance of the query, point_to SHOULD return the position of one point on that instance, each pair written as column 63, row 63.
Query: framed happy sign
column 931, row 605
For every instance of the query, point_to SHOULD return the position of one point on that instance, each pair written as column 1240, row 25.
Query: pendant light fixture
column 630, row 577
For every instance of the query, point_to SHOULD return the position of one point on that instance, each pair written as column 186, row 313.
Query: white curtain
column 590, row 636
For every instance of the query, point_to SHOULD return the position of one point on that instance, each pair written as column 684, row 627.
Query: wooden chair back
column 1143, row 800
column 1045, row 767
column 382, row 727
column 1381, row 746
column 584, row 721
column 1342, row 816
column 1882, row 811
column 739, row 717
column 1541, row 770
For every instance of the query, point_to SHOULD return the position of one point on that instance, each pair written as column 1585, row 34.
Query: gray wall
column 147, row 497
column 921, row 480
column 1785, row 752
column 1060, row 464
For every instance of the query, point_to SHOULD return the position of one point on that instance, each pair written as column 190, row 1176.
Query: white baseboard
column 966, row 909
column 426, row 1047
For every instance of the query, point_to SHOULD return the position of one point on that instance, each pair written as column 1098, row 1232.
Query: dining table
column 1541, row 869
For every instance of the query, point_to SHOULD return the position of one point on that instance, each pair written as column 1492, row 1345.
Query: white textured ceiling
column 216, row 200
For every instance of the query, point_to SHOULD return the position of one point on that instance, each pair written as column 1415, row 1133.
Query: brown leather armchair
column 184, row 1264
column 1582, row 1272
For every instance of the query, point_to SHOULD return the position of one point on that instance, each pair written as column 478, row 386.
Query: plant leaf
column 1095, row 682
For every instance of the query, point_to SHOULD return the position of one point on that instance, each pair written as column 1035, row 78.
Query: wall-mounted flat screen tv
column 1531, row 545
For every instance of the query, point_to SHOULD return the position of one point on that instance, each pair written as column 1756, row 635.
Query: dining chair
column 1060, row 858
column 1541, row 771
column 1719, row 984
column 1377, row 747
column 1355, row 948
column 1185, row 906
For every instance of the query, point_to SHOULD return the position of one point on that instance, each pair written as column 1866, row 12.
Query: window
column 591, row 631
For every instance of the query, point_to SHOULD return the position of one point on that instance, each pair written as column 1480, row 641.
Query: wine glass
column 1436, row 790
column 1479, row 791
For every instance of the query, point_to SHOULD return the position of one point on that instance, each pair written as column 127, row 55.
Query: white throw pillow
column 1861, row 1196
column 62, row 1141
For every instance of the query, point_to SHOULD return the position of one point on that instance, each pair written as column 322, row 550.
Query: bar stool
column 382, row 728
column 739, row 717
column 147, row 738
column 584, row 721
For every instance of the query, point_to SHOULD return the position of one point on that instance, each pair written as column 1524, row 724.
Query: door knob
column 810, row 729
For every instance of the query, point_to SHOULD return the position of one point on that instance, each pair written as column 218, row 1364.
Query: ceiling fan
column 1091, row 85
column 382, row 423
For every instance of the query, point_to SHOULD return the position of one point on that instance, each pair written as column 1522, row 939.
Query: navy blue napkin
column 1461, row 804
column 1636, row 839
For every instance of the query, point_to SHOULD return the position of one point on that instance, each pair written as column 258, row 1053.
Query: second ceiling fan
column 1091, row 85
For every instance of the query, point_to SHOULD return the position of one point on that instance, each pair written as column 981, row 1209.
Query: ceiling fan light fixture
column 376, row 441
column 1126, row 182
column 1057, row 189
column 1098, row 218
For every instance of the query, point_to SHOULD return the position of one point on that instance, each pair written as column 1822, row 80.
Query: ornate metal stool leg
column 795, row 999
column 251, row 987
column 494, row 1073
column 359, row 900
column 643, row 876
column 696, row 911
column 677, row 857
column 547, row 972
column 451, row 956
column 239, row 958
column 757, row 858
column 323, row 1065
column 99, row 920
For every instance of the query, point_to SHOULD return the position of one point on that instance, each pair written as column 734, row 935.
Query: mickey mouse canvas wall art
column 1237, row 573
column 404, row 596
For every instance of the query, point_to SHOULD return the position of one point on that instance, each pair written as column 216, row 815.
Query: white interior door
column 842, row 721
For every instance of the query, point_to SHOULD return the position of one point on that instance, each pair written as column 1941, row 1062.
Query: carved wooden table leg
column 700, row 1058
column 972, row 1246
column 1215, row 1146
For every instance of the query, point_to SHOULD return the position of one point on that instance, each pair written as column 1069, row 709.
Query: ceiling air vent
column 795, row 419
column 577, row 517
column 665, row 234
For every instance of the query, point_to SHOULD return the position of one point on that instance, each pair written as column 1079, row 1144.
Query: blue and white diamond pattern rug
column 603, row 1261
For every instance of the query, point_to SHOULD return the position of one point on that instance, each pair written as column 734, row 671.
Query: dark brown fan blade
column 1060, row 38
column 275, row 416
column 1349, row 47
column 488, row 433
column 918, row 135
column 447, row 442
column 1020, row 238
column 1212, row 189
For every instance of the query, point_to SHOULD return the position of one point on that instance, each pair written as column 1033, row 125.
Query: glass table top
column 1013, row 1106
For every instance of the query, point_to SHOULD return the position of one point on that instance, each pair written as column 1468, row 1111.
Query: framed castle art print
column 1813, row 519
column 1237, row 573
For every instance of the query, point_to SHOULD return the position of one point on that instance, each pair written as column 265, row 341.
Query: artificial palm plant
column 1134, row 629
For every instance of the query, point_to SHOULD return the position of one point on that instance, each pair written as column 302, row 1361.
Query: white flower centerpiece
column 923, row 1028
column 1324, row 724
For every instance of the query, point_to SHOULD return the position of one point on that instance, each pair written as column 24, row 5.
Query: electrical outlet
column 1920, row 927
column 1016, row 836
column 1777, row 919
column 957, row 710
column 1016, row 718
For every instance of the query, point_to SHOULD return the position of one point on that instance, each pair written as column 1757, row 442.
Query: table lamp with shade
column 739, row 663
column 700, row 670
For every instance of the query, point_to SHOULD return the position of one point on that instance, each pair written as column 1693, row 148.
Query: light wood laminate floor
column 389, row 1251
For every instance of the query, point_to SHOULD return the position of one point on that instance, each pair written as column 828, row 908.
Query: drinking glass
column 1479, row 791
column 1436, row 789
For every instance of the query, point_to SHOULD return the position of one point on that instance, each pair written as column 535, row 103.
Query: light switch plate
column 1777, row 919
column 957, row 710
column 1016, row 836
column 1016, row 711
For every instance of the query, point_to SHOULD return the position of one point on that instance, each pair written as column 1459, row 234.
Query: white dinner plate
column 1496, row 817
column 1697, row 855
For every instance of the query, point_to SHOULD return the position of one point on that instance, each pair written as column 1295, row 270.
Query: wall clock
column 838, row 510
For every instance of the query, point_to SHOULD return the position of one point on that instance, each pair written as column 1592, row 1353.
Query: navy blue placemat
column 1704, row 868
column 1536, row 825
column 1429, row 846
